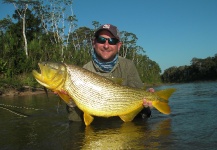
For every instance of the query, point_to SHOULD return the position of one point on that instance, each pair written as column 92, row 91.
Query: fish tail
column 162, row 104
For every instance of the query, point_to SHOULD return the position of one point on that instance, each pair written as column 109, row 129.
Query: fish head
column 52, row 75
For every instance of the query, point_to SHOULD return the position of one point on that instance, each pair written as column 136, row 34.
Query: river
column 40, row 122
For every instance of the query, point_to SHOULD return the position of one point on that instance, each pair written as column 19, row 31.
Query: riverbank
column 25, row 90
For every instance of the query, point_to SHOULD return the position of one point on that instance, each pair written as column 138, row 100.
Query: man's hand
column 148, row 103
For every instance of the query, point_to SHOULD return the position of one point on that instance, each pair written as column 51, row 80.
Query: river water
column 40, row 122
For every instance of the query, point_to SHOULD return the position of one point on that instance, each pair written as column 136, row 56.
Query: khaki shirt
column 124, row 69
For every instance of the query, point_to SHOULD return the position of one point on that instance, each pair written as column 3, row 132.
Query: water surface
column 191, row 125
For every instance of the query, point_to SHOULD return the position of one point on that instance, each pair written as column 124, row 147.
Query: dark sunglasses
column 102, row 40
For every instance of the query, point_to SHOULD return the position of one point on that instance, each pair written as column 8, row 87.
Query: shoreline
column 24, row 91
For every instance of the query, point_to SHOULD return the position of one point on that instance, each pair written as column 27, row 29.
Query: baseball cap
column 111, row 28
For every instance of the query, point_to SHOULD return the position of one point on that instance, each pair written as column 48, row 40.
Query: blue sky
column 172, row 32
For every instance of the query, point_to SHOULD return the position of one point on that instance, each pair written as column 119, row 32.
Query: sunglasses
column 102, row 40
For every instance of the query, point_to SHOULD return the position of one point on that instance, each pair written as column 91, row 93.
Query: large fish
column 96, row 95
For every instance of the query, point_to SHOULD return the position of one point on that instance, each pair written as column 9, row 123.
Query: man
column 106, row 62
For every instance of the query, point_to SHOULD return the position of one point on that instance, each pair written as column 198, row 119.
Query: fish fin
column 130, row 116
column 165, row 94
column 163, row 106
column 87, row 119
column 64, row 96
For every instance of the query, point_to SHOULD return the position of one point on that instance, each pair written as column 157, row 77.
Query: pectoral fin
column 130, row 116
column 87, row 119
column 65, row 97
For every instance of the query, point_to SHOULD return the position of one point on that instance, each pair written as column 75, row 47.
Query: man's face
column 106, row 51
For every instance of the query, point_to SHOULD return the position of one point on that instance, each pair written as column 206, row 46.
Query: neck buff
column 104, row 66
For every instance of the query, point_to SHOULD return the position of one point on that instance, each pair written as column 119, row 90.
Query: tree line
column 199, row 70
column 37, row 31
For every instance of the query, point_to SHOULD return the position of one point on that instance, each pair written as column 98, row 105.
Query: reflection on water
column 191, row 125
column 128, row 136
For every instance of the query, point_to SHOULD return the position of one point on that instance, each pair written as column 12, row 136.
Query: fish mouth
column 50, row 75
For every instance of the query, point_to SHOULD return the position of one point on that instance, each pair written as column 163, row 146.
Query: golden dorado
column 96, row 95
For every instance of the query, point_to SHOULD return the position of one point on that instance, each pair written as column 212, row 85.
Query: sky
column 171, row 32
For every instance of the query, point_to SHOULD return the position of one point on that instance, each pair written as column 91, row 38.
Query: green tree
column 128, row 44
column 53, row 16
column 80, row 46
column 21, row 9
column 200, row 69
